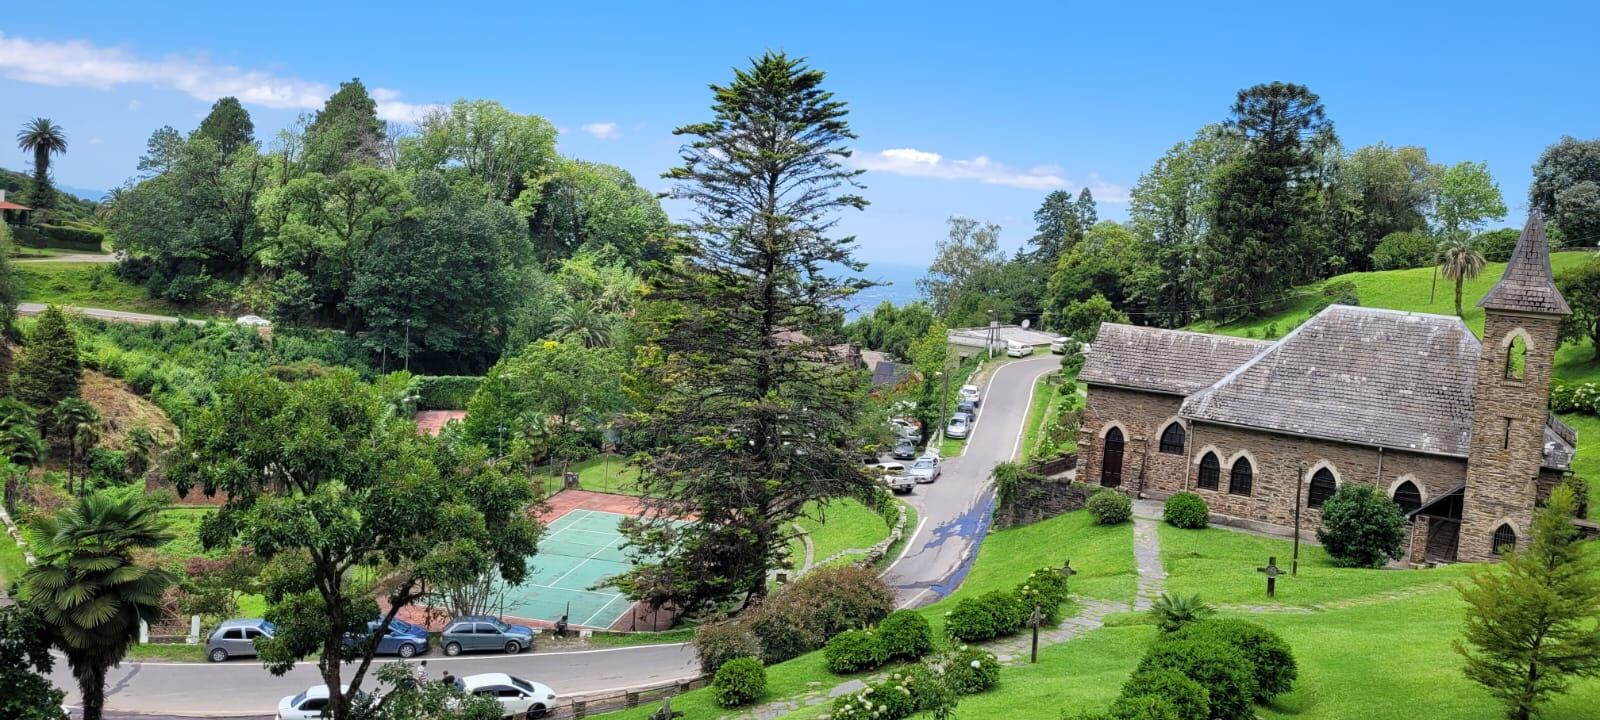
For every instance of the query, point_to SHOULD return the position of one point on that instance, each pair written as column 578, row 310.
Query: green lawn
column 608, row 473
column 12, row 564
column 1084, row 674
column 845, row 524
column 1221, row 565
column 86, row 285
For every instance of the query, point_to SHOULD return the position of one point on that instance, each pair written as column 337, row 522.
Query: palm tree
column 78, row 422
column 1460, row 261
column 584, row 321
column 87, row 587
column 1173, row 611
column 43, row 138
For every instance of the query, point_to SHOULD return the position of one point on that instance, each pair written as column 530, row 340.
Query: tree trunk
column 92, row 685
column 1458, row 295
column 11, row 494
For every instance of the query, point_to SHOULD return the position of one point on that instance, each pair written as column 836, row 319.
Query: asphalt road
column 954, row 512
column 953, row 517
column 111, row 315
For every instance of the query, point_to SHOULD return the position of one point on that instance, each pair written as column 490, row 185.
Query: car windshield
column 502, row 627
column 269, row 628
column 957, row 421
column 522, row 685
column 923, row 465
column 297, row 700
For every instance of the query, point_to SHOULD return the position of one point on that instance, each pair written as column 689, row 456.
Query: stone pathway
column 1147, row 553
column 811, row 550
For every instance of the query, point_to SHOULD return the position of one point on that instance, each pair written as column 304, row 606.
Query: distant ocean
column 898, row 286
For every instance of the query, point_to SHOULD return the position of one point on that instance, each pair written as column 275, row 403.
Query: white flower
column 975, row 664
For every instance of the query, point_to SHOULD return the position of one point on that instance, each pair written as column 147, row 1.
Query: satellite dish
column 1024, row 323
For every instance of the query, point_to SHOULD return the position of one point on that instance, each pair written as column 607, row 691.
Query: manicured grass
column 1221, row 565
column 1587, row 462
column 608, row 473
column 86, row 285
column 785, row 679
column 1084, row 674
column 843, row 525
column 1039, row 415
column 175, row 652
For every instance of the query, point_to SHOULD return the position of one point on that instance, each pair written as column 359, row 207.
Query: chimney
column 2, row 194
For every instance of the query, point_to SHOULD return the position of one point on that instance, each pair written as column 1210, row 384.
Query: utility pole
column 1294, row 562
column 408, row 344
column 944, row 404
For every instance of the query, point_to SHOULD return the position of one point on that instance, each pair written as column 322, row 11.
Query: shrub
column 1580, row 493
column 739, row 682
column 1400, row 250
column 718, row 642
column 1220, row 668
column 905, row 635
column 990, row 615
column 446, row 392
column 925, row 688
column 1342, row 292
column 1172, row 612
column 1162, row 694
column 970, row 670
column 1186, row 510
column 784, row 627
column 1110, row 507
column 853, row 651
column 1273, row 660
column 841, row 598
column 1047, row 587
column 72, row 238
column 1361, row 527
column 1496, row 245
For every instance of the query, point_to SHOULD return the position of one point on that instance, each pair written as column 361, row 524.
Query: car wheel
column 452, row 649
column 219, row 655
column 536, row 712
column 513, row 648
column 407, row 650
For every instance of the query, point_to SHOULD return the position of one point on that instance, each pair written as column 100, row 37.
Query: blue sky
column 974, row 109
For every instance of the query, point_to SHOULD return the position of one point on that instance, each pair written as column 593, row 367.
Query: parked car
column 1016, row 349
column 237, row 638
column 957, row 428
column 900, row 483
column 517, row 697
column 970, row 393
column 926, row 469
column 968, row 407
column 402, row 638
column 965, row 416
column 309, row 705
column 1059, row 345
column 482, row 632
column 908, row 428
column 905, row 449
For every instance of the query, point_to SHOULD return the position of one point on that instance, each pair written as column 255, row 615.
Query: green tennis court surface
column 580, row 548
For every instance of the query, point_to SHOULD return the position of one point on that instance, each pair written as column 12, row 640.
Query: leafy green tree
column 87, row 587
column 404, row 699
column 77, row 423
column 345, row 132
column 228, row 125
column 502, row 155
column 751, row 420
column 1468, row 197
column 25, row 665
column 1081, row 319
column 1459, row 261
column 1393, row 188
column 1403, row 250
column 1260, row 245
column 1361, row 527
column 1170, row 210
column 322, row 477
column 1533, row 623
column 43, row 138
column 1088, row 215
column 49, row 369
column 20, row 447
column 1057, row 228
column 891, row 328
column 968, row 253
column 562, row 388
column 10, row 295
column 600, row 210
column 1110, row 262
column 1566, row 188
column 1580, row 285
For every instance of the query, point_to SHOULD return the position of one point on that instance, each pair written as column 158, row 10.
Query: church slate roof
column 1176, row 362
column 1375, row 377
column 1527, row 285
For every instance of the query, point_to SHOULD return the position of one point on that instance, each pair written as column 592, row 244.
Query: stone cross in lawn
column 1272, row 572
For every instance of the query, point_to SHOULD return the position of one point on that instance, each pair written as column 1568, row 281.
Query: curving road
column 954, row 515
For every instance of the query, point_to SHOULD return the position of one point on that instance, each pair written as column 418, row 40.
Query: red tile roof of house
column 12, row 206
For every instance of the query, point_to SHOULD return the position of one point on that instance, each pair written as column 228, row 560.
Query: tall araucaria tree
column 749, row 408
column 323, row 479
column 43, row 138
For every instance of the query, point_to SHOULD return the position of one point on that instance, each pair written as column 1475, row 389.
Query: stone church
column 1455, row 430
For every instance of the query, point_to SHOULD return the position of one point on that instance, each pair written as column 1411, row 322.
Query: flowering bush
column 1575, row 397
column 739, row 681
column 853, row 651
column 905, row 635
column 970, row 670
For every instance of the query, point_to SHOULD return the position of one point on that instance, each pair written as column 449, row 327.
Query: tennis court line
column 585, row 561
column 589, row 621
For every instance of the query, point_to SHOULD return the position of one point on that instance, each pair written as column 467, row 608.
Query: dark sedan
column 403, row 638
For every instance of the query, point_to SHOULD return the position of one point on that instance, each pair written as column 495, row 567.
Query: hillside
column 71, row 207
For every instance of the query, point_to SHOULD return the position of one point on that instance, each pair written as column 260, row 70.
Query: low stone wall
column 876, row 552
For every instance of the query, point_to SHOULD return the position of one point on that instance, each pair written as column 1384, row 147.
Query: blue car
column 403, row 638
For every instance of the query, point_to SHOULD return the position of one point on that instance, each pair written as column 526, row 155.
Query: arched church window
column 1322, row 487
column 1516, row 358
column 1210, row 471
column 1172, row 439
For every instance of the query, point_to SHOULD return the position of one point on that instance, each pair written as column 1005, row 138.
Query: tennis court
column 579, row 549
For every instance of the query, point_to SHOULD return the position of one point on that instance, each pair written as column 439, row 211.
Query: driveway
column 954, row 512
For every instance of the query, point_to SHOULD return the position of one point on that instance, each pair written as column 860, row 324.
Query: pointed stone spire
column 1527, row 286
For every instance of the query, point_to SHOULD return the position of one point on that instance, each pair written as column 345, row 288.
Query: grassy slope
column 86, row 285
column 12, row 564
column 844, row 524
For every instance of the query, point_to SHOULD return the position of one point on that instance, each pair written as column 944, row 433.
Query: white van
column 1016, row 349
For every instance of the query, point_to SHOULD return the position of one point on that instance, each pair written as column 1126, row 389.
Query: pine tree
column 49, row 369
column 1088, row 215
column 228, row 125
column 345, row 132
column 1533, row 623
column 752, row 410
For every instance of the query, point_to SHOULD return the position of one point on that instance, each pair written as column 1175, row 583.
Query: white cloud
column 95, row 140
column 601, row 130
column 912, row 162
column 134, row 105
column 82, row 64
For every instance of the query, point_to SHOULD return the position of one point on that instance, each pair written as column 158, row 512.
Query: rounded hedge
column 1110, row 507
column 971, row 670
column 1186, row 510
column 925, row 687
column 1222, row 669
column 970, row 620
column 1271, row 656
column 739, row 682
column 716, row 643
column 853, row 651
column 1361, row 527
column 905, row 635
column 1164, row 694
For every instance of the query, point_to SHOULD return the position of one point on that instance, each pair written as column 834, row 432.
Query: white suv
column 517, row 697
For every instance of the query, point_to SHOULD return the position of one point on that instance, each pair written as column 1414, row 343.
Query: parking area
column 580, row 549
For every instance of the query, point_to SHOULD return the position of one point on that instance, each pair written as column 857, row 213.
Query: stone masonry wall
column 1141, row 416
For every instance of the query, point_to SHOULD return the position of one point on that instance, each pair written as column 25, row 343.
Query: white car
column 309, row 705
column 253, row 321
column 957, row 428
column 907, row 428
column 1060, row 344
column 925, row 469
column 971, row 394
column 517, row 697
column 1016, row 349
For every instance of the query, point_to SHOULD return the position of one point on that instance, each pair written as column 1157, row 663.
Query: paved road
column 954, row 515
column 88, row 258
column 112, row 315
column 954, row 512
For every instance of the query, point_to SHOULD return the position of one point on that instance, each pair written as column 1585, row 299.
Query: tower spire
column 1527, row 285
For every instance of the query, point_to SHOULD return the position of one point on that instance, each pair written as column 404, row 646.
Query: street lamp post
column 944, row 404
